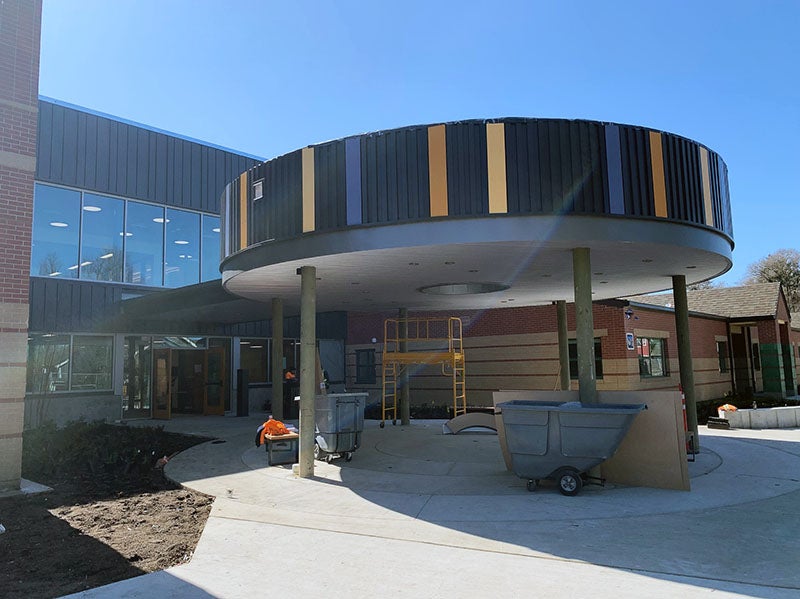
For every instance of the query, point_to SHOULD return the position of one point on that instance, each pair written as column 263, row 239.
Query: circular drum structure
column 478, row 214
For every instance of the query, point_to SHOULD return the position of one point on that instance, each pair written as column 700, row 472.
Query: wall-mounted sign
column 629, row 341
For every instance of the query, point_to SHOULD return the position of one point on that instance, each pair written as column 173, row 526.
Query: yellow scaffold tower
column 422, row 341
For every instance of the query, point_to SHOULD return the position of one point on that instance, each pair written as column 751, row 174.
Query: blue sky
column 268, row 77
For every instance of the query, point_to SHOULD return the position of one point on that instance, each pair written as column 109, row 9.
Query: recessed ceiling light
column 92, row 208
column 182, row 256
column 87, row 263
column 160, row 220
column 73, row 267
column 55, row 274
column 215, row 230
column 121, row 234
column 256, row 347
column 181, row 242
column 106, row 256
column 57, row 223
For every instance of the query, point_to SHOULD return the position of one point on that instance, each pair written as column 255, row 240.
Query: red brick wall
column 19, row 84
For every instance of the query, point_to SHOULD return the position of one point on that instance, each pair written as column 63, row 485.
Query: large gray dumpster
column 562, row 441
column 339, row 422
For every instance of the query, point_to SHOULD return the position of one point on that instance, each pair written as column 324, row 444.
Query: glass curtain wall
column 88, row 236
column 102, row 238
column 144, row 249
column 182, row 255
column 211, row 248
column 56, row 231
column 48, row 363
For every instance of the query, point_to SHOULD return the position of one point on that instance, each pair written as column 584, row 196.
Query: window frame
column 572, row 348
column 664, row 357
column 70, row 374
column 365, row 372
column 723, row 356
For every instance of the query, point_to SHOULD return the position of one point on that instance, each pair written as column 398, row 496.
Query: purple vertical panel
column 616, row 199
column 352, row 159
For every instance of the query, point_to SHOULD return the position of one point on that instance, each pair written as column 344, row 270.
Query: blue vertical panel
column 616, row 199
column 353, row 169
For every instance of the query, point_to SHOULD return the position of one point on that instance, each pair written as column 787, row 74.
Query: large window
column 211, row 248
column 88, row 236
column 56, row 231
column 182, row 252
column 69, row 363
column 102, row 238
column 144, row 244
column 573, row 359
column 652, row 356
column 365, row 366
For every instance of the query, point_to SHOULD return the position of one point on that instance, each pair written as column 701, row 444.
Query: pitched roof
column 748, row 301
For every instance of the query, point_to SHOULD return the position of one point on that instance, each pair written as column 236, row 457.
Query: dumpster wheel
column 531, row 485
column 569, row 482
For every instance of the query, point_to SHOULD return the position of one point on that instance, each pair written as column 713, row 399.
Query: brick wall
column 20, row 22
column 517, row 348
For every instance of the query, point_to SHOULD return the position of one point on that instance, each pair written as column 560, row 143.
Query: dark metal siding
column 71, row 306
column 683, row 178
column 279, row 213
column 330, row 186
column 467, row 176
column 394, row 176
column 84, row 150
column 637, row 171
column 556, row 167
column 330, row 325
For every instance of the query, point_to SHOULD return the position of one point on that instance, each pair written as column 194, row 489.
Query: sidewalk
column 419, row 514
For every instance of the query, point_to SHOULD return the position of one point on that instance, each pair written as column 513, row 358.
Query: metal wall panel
column 394, row 176
column 330, row 186
column 684, row 180
column 637, row 172
column 467, row 171
column 89, row 151
column 63, row 306
column 279, row 213
column 556, row 166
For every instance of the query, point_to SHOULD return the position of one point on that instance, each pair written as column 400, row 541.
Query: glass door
column 214, row 396
column 162, row 384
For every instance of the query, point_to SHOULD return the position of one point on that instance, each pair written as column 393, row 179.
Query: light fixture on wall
column 628, row 314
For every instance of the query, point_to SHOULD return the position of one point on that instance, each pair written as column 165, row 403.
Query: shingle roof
column 760, row 299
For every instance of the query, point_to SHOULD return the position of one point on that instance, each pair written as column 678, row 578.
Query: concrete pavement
column 420, row 514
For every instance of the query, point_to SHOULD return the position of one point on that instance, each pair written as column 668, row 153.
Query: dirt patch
column 103, row 522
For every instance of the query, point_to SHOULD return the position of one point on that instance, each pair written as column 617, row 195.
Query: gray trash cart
column 562, row 441
column 339, row 422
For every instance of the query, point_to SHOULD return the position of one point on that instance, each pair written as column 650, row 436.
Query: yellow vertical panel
column 308, row 190
column 657, row 162
column 496, row 165
column 706, row 187
column 243, row 203
column 437, row 167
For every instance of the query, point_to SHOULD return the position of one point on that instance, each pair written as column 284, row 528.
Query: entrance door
column 741, row 364
column 214, row 396
column 162, row 385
